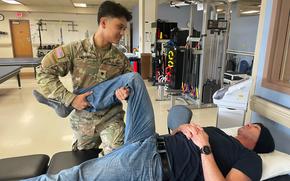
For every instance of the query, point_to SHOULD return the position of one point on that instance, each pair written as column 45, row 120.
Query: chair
column 244, row 66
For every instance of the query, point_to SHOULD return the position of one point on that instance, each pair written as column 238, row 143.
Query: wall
column 281, row 133
column 135, row 20
column 243, row 33
column 150, row 16
column 243, row 29
column 165, row 12
column 180, row 15
column 86, row 23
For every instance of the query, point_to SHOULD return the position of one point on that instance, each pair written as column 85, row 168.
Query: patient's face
column 250, row 131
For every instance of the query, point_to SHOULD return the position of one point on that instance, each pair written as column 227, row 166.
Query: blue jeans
column 137, row 159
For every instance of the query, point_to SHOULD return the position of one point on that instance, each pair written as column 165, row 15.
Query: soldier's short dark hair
column 112, row 9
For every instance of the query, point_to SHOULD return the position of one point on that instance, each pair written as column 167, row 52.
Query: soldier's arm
column 56, row 63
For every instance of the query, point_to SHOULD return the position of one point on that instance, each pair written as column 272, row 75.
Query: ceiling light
column 11, row 1
column 178, row 4
column 250, row 12
column 80, row 5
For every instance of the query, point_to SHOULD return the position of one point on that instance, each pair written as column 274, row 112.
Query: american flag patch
column 59, row 52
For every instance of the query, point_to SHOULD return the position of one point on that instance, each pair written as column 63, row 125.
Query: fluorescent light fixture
column 80, row 5
column 11, row 1
column 180, row 4
column 250, row 12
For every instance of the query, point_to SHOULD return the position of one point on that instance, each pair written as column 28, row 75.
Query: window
column 277, row 67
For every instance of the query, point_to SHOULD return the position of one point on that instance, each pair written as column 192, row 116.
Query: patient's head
column 256, row 137
column 265, row 142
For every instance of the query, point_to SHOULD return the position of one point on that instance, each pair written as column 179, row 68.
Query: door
column 21, row 39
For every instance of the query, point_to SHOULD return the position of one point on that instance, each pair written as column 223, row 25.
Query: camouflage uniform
column 88, row 66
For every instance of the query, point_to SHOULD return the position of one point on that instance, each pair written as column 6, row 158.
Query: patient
column 191, row 153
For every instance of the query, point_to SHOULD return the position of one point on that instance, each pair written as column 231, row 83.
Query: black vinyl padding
column 68, row 159
column 280, row 178
column 22, row 167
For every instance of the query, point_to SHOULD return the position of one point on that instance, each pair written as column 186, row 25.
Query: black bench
column 68, row 159
column 22, row 167
column 6, row 72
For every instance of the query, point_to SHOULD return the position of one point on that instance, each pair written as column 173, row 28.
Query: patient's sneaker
column 59, row 107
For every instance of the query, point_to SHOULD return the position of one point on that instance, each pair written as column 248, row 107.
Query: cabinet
column 145, row 64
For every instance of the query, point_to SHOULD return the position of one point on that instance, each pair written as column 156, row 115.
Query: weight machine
column 204, row 57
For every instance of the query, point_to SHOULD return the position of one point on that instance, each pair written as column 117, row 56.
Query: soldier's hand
column 122, row 93
column 80, row 101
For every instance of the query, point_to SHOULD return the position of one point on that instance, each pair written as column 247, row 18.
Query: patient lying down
column 190, row 153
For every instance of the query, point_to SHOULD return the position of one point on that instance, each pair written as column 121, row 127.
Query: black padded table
column 22, row 167
column 23, row 62
column 280, row 178
column 6, row 72
column 68, row 159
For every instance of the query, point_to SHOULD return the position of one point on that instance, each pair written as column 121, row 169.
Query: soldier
column 90, row 61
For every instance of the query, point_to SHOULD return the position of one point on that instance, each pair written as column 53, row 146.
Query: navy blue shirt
column 228, row 152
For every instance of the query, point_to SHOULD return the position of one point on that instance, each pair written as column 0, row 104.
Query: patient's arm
column 211, row 171
column 236, row 174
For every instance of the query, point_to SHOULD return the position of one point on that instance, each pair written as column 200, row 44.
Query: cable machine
column 204, row 58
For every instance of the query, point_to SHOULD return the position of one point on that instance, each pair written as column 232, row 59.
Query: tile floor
column 27, row 127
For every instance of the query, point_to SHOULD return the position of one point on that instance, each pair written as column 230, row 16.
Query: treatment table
column 6, row 72
column 23, row 62
column 33, row 165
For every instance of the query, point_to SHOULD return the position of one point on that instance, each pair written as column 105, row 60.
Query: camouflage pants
column 102, row 132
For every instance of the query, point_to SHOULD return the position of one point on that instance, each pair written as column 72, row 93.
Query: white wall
column 180, row 15
column 150, row 17
column 165, row 12
column 243, row 31
column 52, row 35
